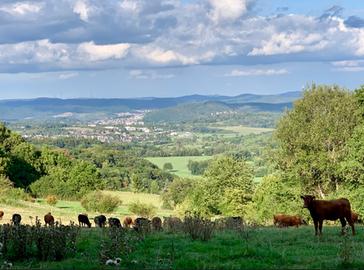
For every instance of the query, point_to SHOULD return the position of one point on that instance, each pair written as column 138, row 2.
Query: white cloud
column 82, row 8
column 22, row 8
column 68, row 75
column 256, row 72
column 149, row 74
column 349, row 65
column 94, row 52
column 227, row 10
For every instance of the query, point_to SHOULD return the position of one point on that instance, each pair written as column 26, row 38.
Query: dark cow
column 1, row 215
column 15, row 220
column 114, row 222
column 49, row 219
column 321, row 210
column 142, row 224
column 282, row 220
column 83, row 220
column 100, row 221
column 127, row 222
column 156, row 224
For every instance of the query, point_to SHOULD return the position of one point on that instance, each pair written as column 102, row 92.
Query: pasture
column 250, row 248
column 242, row 130
column 66, row 211
column 179, row 163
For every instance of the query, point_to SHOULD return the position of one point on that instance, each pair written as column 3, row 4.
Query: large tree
column 313, row 135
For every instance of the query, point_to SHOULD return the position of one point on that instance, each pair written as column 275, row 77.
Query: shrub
column 168, row 166
column 198, row 228
column 142, row 209
column 100, row 202
column 52, row 200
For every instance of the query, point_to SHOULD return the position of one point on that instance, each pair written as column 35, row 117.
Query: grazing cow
column 49, row 219
column 114, row 222
column 83, row 220
column 321, row 210
column 100, row 221
column 156, row 224
column 1, row 215
column 142, row 224
column 15, row 220
column 285, row 220
column 127, row 222
column 355, row 217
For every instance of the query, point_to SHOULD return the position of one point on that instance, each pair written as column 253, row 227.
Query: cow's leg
column 320, row 226
column 316, row 224
column 343, row 224
column 351, row 223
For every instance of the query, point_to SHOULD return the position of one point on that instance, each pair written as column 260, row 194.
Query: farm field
column 243, row 130
column 251, row 248
column 66, row 211
column 179, row 163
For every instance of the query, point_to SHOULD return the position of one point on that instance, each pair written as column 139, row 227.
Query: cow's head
column 307, row 200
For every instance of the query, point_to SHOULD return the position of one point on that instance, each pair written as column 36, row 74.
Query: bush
column 198, row 228
column 142, row 209
column 100, row 202
column 168, row 166
column 52, row 200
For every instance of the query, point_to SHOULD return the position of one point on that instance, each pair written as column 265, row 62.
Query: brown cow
column 1, row 215
column 285, row 220
column 156, row 224
column 127, row 222
column 321, row 210
column 49, row 219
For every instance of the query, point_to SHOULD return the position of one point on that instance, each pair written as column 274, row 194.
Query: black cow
column 114, row 222
column 83, row 220
column 15, row 220
column 100, row 221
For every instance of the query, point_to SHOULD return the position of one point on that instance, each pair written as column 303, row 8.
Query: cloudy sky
column 134, row 48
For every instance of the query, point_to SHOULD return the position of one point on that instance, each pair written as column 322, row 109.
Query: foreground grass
column 66, row 211
column 260, row 248
column 179, row 163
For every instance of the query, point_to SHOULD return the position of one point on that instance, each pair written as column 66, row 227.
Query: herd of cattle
column 320, row 210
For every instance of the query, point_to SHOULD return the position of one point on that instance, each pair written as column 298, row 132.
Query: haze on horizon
column 168, row 48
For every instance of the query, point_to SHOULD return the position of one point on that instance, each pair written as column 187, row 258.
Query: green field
column 250, row 248
column 243, row 130
column 66, row 211
column 179, row 163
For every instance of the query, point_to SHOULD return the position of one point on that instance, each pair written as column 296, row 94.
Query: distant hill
column 43, row 108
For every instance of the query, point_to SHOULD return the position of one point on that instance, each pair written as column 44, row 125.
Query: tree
column 226, row 189
column 312, row 137
column 176, row 191
column 168, row 166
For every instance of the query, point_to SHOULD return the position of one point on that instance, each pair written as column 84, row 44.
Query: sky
column 139, row 48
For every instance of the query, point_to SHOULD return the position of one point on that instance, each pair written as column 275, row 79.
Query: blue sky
column 135, row 48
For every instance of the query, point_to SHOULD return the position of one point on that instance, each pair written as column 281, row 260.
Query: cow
column 156, row 224
column 321, row 210
column 100, row 221
column 142, row 224
column 114, row 222
column 127, row 222
column 49, row 219
column 15, row 220
column 83, row 220
column 1, row 215
column 282, row 220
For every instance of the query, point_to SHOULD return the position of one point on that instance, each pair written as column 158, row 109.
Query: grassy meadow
column 243, row 130
column 66, row 211
column 250, row 248
column 179, row 163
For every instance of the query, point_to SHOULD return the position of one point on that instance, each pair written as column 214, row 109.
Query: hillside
column 44, row 108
